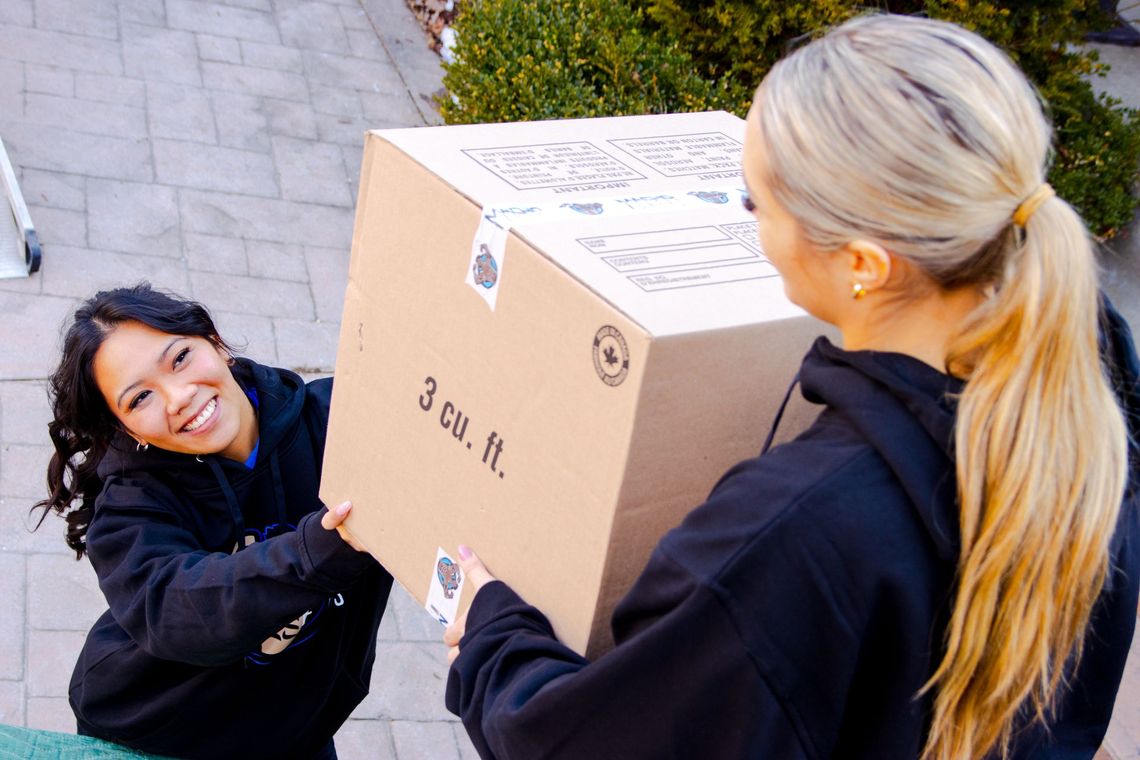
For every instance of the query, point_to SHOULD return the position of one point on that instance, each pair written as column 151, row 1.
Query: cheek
column 774, row 247
column 214, row 371
column 764, row 235
column 141, row 422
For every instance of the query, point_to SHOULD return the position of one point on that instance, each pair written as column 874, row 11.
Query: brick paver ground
column 213, row 148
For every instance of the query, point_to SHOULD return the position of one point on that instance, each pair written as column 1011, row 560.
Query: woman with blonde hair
column 946, row 564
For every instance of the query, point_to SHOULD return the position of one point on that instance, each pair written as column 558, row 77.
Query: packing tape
column 488, row 248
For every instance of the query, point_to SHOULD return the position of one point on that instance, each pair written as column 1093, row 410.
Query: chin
column 792, row 297
column 225, row 442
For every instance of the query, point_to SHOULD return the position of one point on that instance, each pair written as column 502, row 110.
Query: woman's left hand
column 332, row 519
column 478, row 576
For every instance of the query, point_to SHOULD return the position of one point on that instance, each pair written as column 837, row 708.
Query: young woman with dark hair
column 242, row 618
column 946, row 564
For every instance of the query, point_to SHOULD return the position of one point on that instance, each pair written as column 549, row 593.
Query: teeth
column 204, row 415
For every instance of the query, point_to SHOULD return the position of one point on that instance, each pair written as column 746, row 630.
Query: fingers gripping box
column 556, row 337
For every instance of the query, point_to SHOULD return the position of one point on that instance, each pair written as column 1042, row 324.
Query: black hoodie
column 238, row 626
column 798, row 612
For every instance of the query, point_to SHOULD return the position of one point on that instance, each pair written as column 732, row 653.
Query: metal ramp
column 20, row 252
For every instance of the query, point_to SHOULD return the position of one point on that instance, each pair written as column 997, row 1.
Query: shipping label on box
column 556, row 337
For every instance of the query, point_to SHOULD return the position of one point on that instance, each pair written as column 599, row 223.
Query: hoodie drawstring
column 278, row 487
column 231, row 497
column 779, row 415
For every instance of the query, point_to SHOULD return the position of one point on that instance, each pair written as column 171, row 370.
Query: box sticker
column 446, row 586
column 488, row 249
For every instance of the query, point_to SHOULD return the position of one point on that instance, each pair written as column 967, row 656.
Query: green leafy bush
column 1097, row 150
column 550, row 59
column 737, row 41
column 544, row 59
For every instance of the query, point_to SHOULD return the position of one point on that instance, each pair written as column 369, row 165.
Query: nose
column 178, row 397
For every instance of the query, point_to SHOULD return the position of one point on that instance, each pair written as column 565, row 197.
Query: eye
column 137, row 400
column 746, row 201
column 180, row 357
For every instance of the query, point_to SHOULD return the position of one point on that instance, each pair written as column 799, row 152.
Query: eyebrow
column 136, row 383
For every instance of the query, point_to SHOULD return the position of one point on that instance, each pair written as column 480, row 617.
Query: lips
column 203, row 416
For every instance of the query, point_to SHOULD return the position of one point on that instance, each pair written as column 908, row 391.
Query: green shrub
column 549, row 59
column 737, row 41
column 1097, row 150
column 1097, row 143
column 544, row 59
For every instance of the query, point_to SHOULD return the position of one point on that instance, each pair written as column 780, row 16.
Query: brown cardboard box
column 558, row 396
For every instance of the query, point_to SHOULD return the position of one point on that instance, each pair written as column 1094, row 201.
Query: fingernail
column 465, row 552
column 342, row 510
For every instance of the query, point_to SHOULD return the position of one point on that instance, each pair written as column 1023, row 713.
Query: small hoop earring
column 199, row 457
column 858, row 291
column 140, row 446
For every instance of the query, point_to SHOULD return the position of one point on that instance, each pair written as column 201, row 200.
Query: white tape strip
column 488, row 249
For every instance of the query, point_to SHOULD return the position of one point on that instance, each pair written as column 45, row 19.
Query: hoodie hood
column 1123, row 368
column 905, row 409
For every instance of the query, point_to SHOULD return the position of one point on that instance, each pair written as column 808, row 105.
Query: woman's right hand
column 333, row 519
column 478, row 576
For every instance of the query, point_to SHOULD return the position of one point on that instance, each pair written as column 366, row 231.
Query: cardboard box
column 559, row 395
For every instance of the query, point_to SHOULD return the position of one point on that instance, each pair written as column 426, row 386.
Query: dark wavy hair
column 82, row 425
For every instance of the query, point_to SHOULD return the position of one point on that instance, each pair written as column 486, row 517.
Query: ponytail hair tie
column 1028, row 206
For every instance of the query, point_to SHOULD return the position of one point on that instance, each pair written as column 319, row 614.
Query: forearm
column 681, row 686
column 210, row 608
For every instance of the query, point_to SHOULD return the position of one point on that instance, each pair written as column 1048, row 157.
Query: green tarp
column 29, row 744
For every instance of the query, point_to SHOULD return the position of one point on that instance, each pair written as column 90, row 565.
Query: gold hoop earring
column 858, row 291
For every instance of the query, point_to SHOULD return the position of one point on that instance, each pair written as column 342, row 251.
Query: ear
column 868, row 264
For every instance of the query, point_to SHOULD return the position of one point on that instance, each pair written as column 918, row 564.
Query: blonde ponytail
column 924, row 137
column 1041, row 461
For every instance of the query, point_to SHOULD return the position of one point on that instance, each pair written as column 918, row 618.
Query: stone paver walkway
column 213, row 148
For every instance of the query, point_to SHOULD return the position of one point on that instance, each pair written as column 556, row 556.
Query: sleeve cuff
column 326, row 556
column 497, row 600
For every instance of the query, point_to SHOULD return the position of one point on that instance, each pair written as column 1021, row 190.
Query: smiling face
column 175, row 392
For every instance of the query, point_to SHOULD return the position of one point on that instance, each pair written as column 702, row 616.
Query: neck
column 920, row 327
